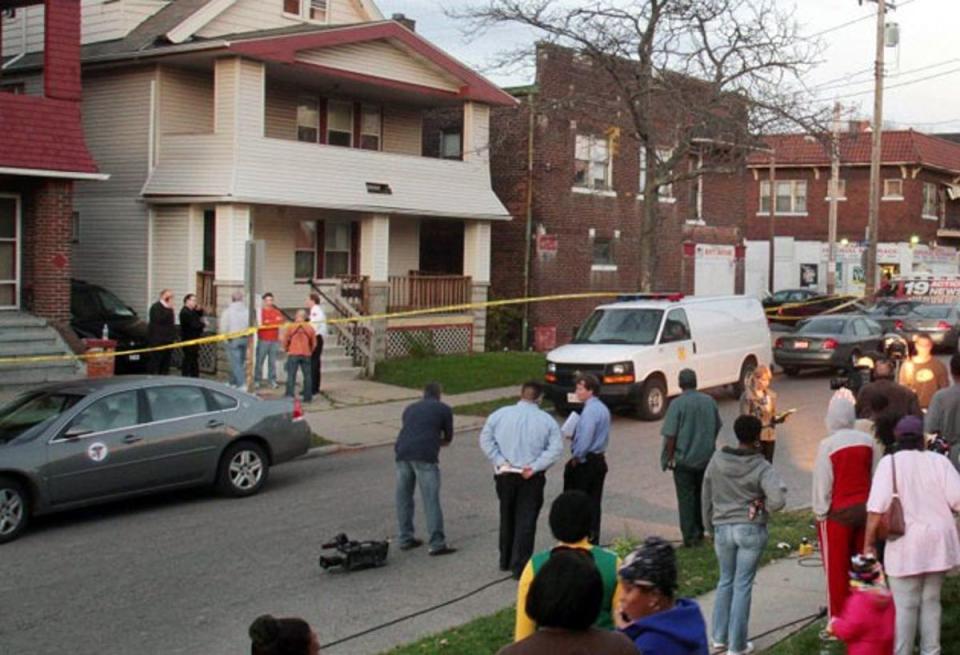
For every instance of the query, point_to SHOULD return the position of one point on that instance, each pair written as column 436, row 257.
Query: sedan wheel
column 243, row 469
column 14, row 509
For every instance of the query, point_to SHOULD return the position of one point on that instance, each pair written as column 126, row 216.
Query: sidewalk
column 784, row 591
column 364, row 414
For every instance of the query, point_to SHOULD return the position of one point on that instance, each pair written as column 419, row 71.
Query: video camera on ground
column 354, row 555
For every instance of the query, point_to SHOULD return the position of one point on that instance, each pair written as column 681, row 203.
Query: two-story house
column 919, row 222
column 566, row 165
column 294, row 122
column 42, row 155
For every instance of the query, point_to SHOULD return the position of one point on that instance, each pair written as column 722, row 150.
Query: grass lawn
column 698, row 575
column 463, row 373
column 808, row 640
column 490, row 406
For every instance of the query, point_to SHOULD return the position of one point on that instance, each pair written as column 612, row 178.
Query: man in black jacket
column 161, row 330
column 192, row 326
column 427, row 425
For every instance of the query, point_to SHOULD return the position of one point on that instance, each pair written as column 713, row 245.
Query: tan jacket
column 300, row 339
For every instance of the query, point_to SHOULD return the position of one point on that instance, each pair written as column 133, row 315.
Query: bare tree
column 695, row 77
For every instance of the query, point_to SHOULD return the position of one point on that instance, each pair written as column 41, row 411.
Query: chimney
column 61, row 49
column 409, row 23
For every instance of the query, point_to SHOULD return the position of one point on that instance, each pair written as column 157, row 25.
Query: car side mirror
column 76, row 431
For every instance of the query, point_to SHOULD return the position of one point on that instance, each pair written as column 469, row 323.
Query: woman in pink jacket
column 866, row 623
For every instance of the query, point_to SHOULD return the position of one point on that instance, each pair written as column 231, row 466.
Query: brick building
column 919, row 216
column 564, row 160
column 42, row 152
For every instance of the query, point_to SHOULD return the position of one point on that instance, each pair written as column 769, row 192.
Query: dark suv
column 92, row 307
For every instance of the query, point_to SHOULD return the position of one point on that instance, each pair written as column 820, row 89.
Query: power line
column 901, row 84
column 854, row 21
column 890, row 76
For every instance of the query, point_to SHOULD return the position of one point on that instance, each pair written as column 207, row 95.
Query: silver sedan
column 91, row 441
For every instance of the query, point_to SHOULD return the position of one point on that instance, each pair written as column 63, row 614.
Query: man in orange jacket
column 299, row 341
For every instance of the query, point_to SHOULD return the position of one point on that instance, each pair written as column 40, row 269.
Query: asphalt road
column 188, row 572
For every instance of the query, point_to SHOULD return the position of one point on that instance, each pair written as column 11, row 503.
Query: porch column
column 238, row 97
column 375, row 265
column 48, row 234
column 476, row 132
column 476, row 264
column 233, row 229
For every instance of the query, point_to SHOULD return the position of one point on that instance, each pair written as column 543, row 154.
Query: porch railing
column 356, row 337
column 417, row 291
column 206, row 292
column 354, row 290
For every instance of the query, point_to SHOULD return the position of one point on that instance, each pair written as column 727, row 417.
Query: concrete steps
column 23, row 335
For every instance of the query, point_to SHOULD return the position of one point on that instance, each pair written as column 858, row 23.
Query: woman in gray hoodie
column 739, row 488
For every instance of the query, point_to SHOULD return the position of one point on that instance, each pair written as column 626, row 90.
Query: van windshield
column 623, row 326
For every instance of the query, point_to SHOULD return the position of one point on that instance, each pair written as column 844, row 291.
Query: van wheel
column 746, row 372
column 653, row 399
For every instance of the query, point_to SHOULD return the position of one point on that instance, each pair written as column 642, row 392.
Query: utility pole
column 773, row 209
column 834, row 192
column 873, row 220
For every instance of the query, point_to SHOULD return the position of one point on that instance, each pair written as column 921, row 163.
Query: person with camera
column 841, row 484
column 943, row 416
column 923, row 373
column 901, row 400
column 760, row 401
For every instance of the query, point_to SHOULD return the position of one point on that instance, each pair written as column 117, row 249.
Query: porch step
column 23, row 335
column 21, row 320
column 26, row 334
column 30, row 347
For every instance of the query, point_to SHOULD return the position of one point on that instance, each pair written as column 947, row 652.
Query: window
column 860, row 328
column 340, row 123
column 841, row 189
column 603, row 254
column 318, row 10
column 336, row 255
column 291, row 7
column 676, row 327
column 113, row 306
column 791, row 197
column 209, row 240
column 222, row 401
column 25, row 413
column 111, row 413
column 16, row 88
column 305, row 251
column 666, row 190
column 175, row 402
column 451, row 144
column 370, row 127
column 621, row 326
column 893, row 188
column 643, row 171
column 308, row 119
column 930, row 201
column 592, row 167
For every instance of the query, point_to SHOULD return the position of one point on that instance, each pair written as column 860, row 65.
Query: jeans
column 689, row 486
column 427, row 476
column 237, row 353
column 295, row 362
column 917, row 596
column 266, row 350
column 738, row 547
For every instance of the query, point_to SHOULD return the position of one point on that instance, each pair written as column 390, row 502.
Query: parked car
column 636, row 348
column 836, row 341
column 90, row 441
column 941, row 322
column 780, row 307
column 889, row 313
column 92, row 307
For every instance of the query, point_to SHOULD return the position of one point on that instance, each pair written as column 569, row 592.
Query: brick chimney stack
column 61, row 49
column 409, row 23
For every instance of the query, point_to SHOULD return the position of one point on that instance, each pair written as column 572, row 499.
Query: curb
column 333, row 449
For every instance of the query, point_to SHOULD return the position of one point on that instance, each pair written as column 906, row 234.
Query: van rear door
column 675, row 349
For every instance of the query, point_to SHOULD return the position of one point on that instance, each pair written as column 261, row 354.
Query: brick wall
column 61, row 51
column 46, row 261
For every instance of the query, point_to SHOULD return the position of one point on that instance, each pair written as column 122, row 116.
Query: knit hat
column 909, row 426
column 866, row 571
column 653, row 564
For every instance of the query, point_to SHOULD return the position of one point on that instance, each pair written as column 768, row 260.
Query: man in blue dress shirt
column 521, row 441
column 587, row 467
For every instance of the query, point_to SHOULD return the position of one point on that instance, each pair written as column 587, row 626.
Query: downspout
column 528, row 231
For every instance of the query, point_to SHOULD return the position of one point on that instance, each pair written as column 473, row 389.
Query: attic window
column 315, row 10
column 379, row 187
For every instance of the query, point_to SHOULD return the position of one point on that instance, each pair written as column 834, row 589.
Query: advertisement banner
column 935, row 290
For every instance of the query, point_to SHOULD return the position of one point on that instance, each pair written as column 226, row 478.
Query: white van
column 637, row 348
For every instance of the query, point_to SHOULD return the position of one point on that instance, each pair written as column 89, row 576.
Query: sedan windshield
column 113, row 305
column 932, row 311
column 623, row 326
column 29, row 411
column 823, row 326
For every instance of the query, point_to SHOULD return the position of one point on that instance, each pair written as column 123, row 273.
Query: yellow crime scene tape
column 772, row 313
column 353, row 319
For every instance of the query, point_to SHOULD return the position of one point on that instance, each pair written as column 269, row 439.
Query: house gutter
column 528, row 229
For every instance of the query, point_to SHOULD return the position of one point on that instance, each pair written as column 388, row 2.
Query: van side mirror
column 76, row 431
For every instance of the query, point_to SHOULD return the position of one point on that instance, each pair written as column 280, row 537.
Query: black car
column 92, row 307
column 784, row 296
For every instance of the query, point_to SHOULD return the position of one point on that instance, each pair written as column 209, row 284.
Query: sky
column 929, row 40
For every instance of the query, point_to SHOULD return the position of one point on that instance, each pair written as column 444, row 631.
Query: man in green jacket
column 689, row 432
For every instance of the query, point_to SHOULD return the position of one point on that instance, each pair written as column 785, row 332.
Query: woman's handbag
column 892, row 526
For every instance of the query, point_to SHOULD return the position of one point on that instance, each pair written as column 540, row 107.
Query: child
column 866, row 624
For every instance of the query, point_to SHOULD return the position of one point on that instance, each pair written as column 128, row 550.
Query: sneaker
column 716, row 648
column 445, row 550
column 746, row 651
column 410, row 545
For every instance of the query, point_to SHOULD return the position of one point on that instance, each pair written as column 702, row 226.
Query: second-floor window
column 791, row 197
column 315, row 10
column 666, row 190
column 340, row 123
column 370, row 127
column 308, row 119
column 592, row 167
column 451, row 144
column 893, row 188
column 841, row 189
column 931, row 201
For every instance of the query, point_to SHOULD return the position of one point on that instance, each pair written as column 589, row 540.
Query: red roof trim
column 284, row 49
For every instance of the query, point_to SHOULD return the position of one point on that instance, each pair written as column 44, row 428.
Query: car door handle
column 214, row 423
column 132, row 438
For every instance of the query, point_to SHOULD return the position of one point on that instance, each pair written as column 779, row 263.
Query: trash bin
column 544, row 338
column 103, row 366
